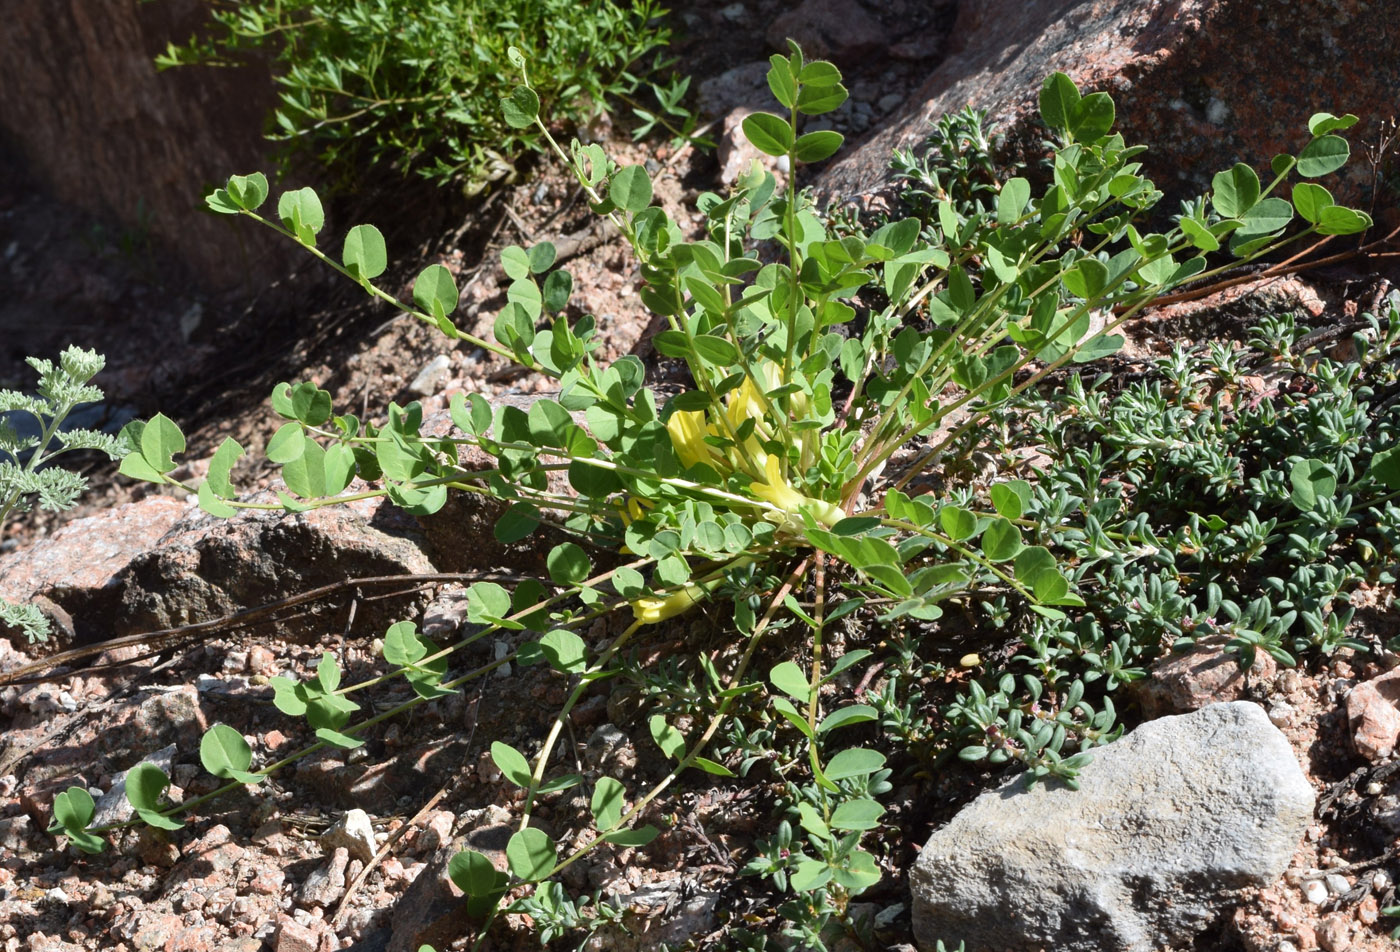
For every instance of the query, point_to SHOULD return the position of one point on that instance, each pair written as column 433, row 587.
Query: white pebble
column 1316, row 891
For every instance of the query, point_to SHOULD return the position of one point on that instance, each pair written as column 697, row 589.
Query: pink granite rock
column 1373, row 712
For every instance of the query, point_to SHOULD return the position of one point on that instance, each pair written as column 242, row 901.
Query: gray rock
column 432, row 377
column 1145, row 54
column 1167, row 823
column 829, row 29
column 113, row 806
column 352, row 832
column 743, row 86
column 326, row 883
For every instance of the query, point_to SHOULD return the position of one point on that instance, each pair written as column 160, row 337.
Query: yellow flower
column 780, row 493
column 688, row 431
column 649, row 611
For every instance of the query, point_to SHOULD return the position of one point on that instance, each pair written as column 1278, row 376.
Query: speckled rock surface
column 1168, row 821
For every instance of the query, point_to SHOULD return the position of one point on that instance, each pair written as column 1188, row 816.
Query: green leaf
column 781, row 81
column 957, row 523
column 810, row 874
column 475, row 875
column 1323, row 156
column 816, row 146
column 768, row 133
column 815, row 100
column 1059, row 98
column 336, row 739
column 328, row 672
column 402, row 646
column 225, row 753
column 161, row 439
column 516, row 262
column 73, row 809
column 287, row 444
column 607, row 803
column 1310, row 200
column 641, row 836
column 542, row 256
column 1267, row 217
column 1010, row 498
column 212, row 504
column 564, row 651
column 1001, row 541
column 301, row 214
column 630, row 188
column 1092, row 117
column 669, row 739
column 511, row 763
column 310, row 404
column 145, row 784
column 1312, row 479
column 568, row 563
column 1385, row 468
column 222, row 202
column 1337, row 220
column 1011, row 202
column 364, row 253
column 713, row 768
column 247, row 191
column 862, row 814
column 789, row 713
column 789, row 678
column 846, row 716
column 1033, row 562
column 521, row 107
column 1235, row 191
column 531, row 854
column 435, row 290
column 1199, row 234
column 858, row 873
column 557, row 288
column 220, row 465
column 855, row 762
column 715, row 351
column 1321, row 123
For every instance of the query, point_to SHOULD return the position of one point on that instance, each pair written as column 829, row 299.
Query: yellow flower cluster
column 688, row 429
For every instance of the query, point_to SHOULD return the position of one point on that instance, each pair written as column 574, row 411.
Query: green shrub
column 415, row 83
column 28, row 451
column 824, row 384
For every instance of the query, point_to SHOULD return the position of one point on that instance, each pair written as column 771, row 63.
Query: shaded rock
column 326, row 883
column 431, row 911
column 206, row 567
column 1373, row 713
column 838, row 30
column 1168, row 822
column 1186, row 78
column 1193, row 679
column 77, row 568
column 81, row 100
column 743, row 86
column 352, row 832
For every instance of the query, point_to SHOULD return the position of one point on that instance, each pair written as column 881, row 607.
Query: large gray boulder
column 1167, row 823
column 1205, row 83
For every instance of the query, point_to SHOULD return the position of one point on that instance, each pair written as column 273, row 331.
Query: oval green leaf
column 768, row 133
column 364, row 253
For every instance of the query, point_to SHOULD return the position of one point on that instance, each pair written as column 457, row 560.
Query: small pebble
column 1374, row 789
column 889, row 101
column 1337, row 884
column 1316, row 891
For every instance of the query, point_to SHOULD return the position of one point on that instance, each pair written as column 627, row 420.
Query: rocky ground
column 350, row 851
